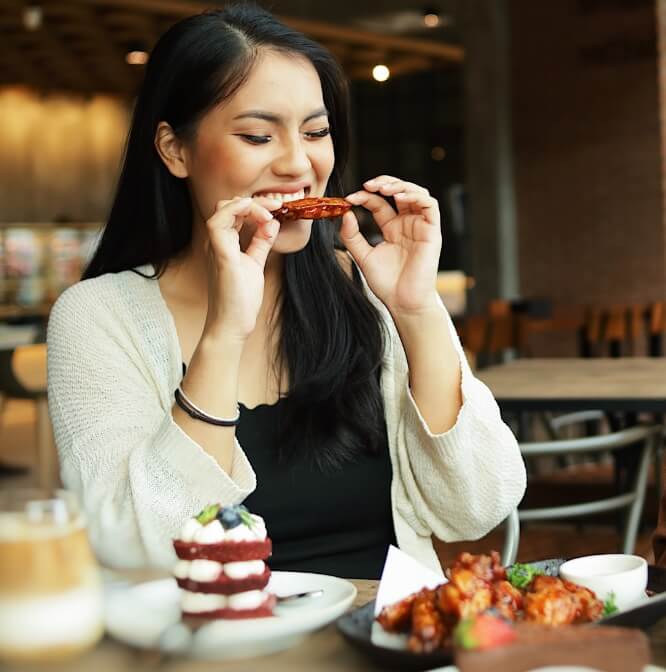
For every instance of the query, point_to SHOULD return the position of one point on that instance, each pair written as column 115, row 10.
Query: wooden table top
column 623, row 384
column 324, row 650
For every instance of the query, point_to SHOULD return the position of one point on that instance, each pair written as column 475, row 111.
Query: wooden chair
column 474, row 333
column 502, row 330
column 616, row 330
column 566, row 321
column 656, row 326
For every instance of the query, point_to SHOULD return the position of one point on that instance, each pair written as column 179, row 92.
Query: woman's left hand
column 401, row 270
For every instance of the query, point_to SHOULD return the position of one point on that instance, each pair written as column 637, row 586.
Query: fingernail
column 246, row 200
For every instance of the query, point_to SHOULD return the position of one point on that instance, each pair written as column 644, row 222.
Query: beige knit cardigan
column 114, row 362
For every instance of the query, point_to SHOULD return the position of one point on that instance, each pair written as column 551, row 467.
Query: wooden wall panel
column 59, row 155
column 588, row 166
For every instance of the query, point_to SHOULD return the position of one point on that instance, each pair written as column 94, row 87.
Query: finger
column 418, row 204
column 228, row 216
column 224, row 216
column 353, row 239
column 270, row 204
column 381, row 210
column 262, row 242
column 232, row 214
column 391, row 188
column 378, row 181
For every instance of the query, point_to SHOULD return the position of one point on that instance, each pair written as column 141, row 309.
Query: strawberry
column 482, row 632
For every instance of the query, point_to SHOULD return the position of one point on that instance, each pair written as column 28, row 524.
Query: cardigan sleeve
column 137, row 474
column 461, row 484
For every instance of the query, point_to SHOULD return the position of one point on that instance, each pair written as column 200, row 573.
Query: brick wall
column 588, row 158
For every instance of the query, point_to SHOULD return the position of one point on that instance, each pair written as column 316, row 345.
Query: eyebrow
column 276, row 118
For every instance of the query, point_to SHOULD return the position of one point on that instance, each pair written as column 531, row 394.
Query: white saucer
column 137, row 615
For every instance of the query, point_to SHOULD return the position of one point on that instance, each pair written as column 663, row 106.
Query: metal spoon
column 290, row 599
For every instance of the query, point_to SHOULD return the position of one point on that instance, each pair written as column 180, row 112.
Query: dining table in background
column 628, row 384
column 321, row 651
column 620, row 387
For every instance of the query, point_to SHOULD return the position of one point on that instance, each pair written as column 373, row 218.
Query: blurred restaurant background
column 539, row 127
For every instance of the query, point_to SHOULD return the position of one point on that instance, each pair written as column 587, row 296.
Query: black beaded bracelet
column 197, row 414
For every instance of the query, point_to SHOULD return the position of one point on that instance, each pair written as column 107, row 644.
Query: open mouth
column 285, row 198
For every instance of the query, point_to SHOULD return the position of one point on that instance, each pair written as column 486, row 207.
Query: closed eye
column 255, row 139
column 322, row 133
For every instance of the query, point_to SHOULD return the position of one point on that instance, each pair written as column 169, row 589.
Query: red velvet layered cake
column 221, row 568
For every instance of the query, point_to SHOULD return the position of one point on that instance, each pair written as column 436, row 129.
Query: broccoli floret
column 520, row 575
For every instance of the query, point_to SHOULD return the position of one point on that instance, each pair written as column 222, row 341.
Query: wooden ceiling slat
column 316, row 29
column 82, row 43
column 114, row 68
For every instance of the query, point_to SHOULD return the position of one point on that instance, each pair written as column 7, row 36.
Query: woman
column 360, row 422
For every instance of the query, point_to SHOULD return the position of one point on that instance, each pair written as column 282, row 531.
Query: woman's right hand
column 236, row 277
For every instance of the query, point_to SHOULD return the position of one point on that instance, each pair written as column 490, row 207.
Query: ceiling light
column 33, row 17
column 136, row 57
column 431, row 17
column 381, row 73
column 438, row 153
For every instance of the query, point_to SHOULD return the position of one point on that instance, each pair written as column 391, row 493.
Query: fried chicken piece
column 486, row 567
column 465, row 595
column 544, row 582
column 586, row 606
column 397, row 617
column 551, row 604
column 590, row 608
column 428, row 628
column 507, row 599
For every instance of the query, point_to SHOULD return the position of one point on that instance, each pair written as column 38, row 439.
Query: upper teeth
column 285, row 198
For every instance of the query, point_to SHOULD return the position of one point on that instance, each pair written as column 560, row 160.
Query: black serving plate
column 356, row 626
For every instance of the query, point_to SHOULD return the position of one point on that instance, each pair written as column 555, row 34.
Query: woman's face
column 271, row 137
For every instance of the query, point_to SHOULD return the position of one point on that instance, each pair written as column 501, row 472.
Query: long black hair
column 331, row 337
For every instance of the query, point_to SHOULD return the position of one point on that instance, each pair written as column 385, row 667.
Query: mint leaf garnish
column 246, row 517
column 208, row 513
column 609, row 605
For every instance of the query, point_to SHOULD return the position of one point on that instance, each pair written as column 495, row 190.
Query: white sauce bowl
column 624, row 575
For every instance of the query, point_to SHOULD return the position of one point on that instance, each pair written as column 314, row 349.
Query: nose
column 293, row 160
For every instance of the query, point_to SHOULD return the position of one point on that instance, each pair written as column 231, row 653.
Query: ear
column 171, row 150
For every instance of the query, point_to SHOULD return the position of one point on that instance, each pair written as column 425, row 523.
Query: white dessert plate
column 138, row 614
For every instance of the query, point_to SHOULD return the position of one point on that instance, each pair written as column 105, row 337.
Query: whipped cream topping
column 196, row 603
column 181, row 570
column 205, row 570
column 209, row 570
column 214, row 533
column 191, row 527
column 241, row 570
column 250, row 599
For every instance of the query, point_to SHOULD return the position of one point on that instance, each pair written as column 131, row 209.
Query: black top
column 331, row 522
